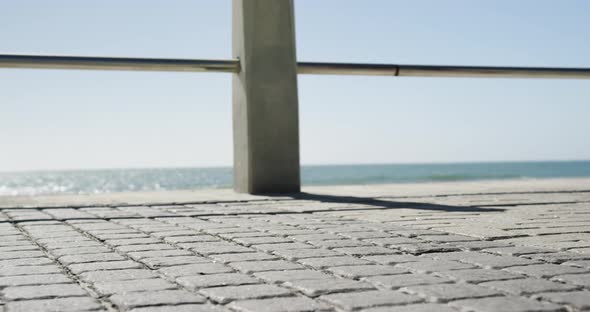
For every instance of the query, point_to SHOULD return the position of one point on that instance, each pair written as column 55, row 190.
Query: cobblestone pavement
column 527, row 251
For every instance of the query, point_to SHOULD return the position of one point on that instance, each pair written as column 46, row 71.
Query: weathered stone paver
column 42, row 291
column 212, row 280
column 458, row 251
column 579, row 300
column 155, row 298
column 289, row 304
column 314, row 288
column 72, row 304
column 508, row 304
column 229, row 293
column 368, row 299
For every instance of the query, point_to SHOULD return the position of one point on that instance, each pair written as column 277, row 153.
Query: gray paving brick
column 14, row 243
column 293, row 275
column 43, row 291
column 240, row 257
column 287, row 304
column 28, row 270
column 79, row 251
column 155, row 298
column 248, row 241
column 401, row 280
column 102, row 225
column 365, row 235
column 143, row 247
column 486, row 260
column 517, row 250
column 579, row 300
column 40, row 279
column 275, row 247
column 316, row 237
column 229, row 293
column 117, row 275
column 339, row 243
column 293, row 232
column 160, row 262
column 430, row 265
column 527, row 286
column 113, row 236
column 314, row 288
column 13, row 238
column 421, row 307
column 545, row 270
column 79, row 238
column 209, row 248
column 479, row 275
column 7, row 243
column 418, row 249
column 368, row 299
column 214, row 280
column 558, row 257
column 328, row 262
column 175, row 232
column 244, row 234
column 25, row 262
column 21, row 254
column 449, row 292
column 9, row 232
column 388, row 241
column 132, row 241
column 138, row 255
column 87, row 258
column 127, row 286
column 121, row 230
column 507, row 304
column 195, row 269
column 358, row 271
column 191, row 239
column 68, row 213
column 19, row 248
column 365, row 251
column 578, row 263
column 295, row 254
column 575, row 279
column 261, row 266
column 393, row 259
column 451, row 238
column 479, row 245
column 73, row 304
column 337, row 228
column 103, row 266
column 182, row 308
column 73, row 244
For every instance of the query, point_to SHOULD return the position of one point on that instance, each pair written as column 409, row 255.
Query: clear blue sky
column 91, row 119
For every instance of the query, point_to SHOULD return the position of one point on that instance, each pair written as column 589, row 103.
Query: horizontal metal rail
column 442, row 71
column 233, row 66
column 117, row 63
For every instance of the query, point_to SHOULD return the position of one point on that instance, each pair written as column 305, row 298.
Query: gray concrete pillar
column 265, row 104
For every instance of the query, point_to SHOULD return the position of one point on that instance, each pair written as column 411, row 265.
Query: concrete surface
column 265, row 100
column 481, row 246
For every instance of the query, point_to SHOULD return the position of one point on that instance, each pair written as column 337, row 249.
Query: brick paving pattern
column 479, row 252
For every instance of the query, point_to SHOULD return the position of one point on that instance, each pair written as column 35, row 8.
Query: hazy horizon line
column 302, row 165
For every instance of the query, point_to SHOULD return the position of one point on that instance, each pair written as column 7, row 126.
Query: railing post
column 265, row 103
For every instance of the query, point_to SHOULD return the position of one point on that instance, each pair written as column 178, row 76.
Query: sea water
column 158, row 179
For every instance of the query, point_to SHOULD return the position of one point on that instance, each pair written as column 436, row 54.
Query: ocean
column 159, row 179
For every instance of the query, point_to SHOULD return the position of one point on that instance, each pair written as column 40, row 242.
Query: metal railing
column 233, row 66
column 265, row 101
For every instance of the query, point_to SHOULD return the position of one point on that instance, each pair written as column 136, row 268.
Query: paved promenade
column 485, row 246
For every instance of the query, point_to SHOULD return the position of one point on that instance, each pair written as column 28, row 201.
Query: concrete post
column 265, row 104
